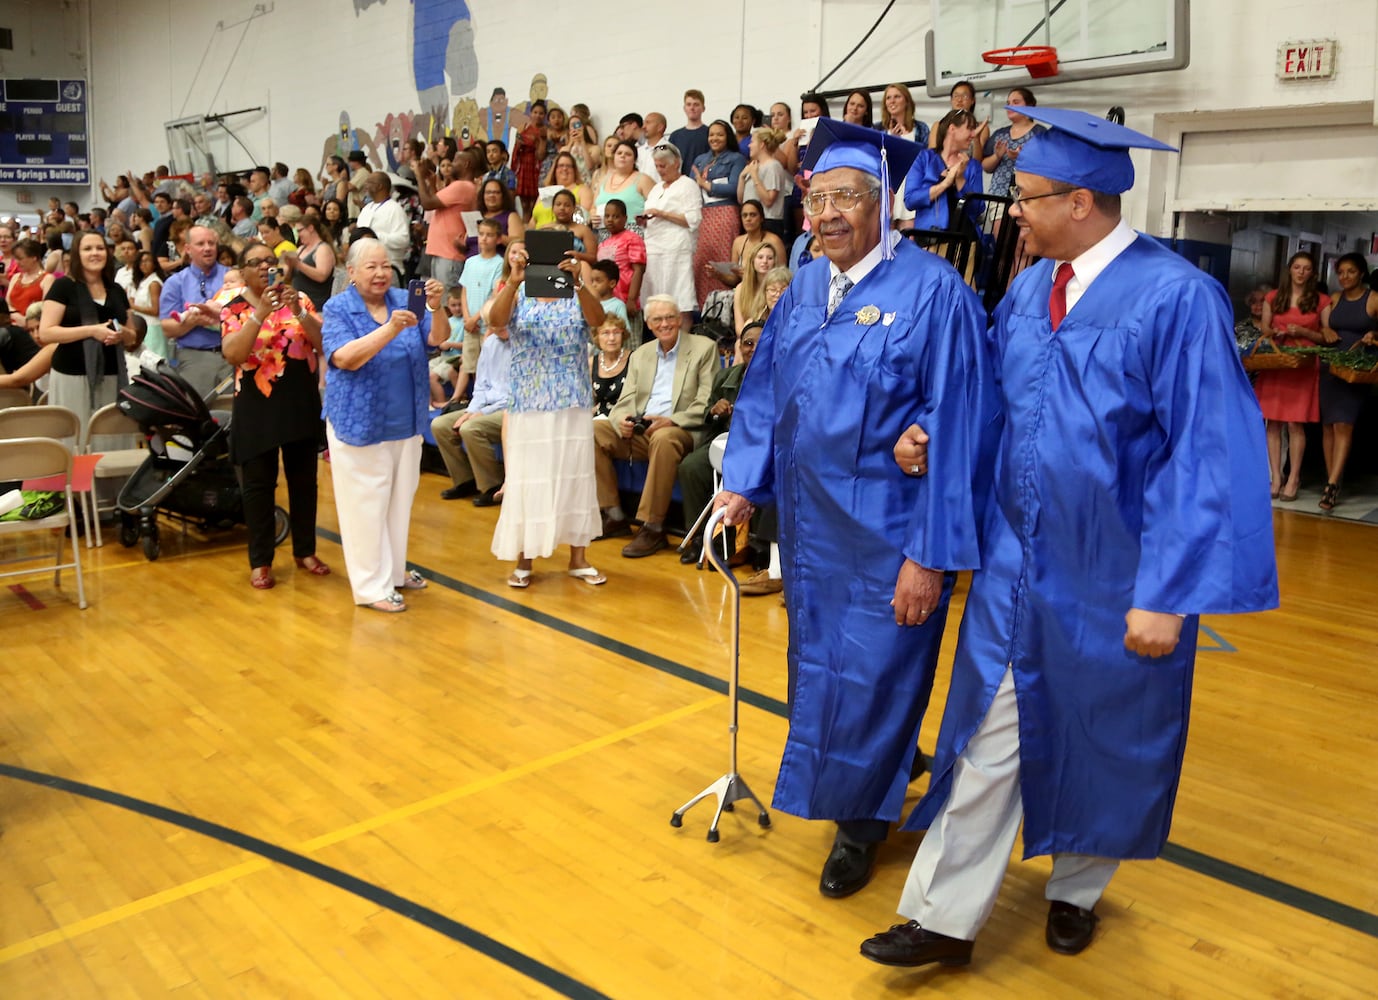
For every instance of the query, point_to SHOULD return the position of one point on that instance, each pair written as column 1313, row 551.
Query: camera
column 641, row 425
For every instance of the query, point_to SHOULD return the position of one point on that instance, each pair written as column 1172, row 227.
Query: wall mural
column 445, row 70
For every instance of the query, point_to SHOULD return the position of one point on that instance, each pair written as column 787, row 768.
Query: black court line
column 1203, row 864
column 553, row 979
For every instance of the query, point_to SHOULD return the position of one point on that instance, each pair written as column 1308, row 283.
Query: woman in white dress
column 550, row 495
column 674, row 209
column 147, row 289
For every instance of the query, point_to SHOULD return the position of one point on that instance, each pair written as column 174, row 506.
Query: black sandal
column 1330, row 496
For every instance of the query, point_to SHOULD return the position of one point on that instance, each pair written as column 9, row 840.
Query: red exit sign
column 1308, row 60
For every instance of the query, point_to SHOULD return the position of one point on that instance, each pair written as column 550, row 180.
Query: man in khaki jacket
column 658, row 418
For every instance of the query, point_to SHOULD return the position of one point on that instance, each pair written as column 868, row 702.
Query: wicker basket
column 1270, row 361
column 1359, row 376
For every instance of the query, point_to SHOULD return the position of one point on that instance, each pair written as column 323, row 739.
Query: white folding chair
column 28, row 459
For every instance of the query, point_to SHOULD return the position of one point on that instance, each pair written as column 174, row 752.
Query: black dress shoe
column 691, row 553
column 488, row 498
column 920, row 765
column 1069, row 927
column 459, row 492
column 848, row 869
column 911, row 945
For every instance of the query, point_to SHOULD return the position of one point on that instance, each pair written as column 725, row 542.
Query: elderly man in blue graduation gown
column 859, row 345
column 1131, row 495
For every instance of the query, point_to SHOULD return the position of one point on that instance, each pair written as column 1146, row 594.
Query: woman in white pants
column 377, row 390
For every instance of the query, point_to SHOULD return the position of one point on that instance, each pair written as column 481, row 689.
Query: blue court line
column 539, row 972
column 1203, row 864
column 1221, row 646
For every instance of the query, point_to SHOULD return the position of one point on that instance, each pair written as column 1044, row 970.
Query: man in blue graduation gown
column 1130, row 496
column 860, row 345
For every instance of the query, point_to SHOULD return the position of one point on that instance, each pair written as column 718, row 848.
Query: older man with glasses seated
column 659, row 419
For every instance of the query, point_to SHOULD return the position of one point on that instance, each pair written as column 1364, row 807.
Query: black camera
column 641, row 425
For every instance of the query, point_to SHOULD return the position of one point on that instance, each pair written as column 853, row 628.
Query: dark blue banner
column 43, row 137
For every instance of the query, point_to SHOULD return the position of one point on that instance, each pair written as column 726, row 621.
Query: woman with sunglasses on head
column 938, row 178
column 272, row 335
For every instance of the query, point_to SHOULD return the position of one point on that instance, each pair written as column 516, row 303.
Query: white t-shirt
column 774, row 177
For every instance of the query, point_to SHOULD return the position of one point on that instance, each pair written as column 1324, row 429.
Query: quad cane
column 731, row 787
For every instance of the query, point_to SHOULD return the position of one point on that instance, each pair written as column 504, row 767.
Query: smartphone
column 274, row 276
column 416, row 297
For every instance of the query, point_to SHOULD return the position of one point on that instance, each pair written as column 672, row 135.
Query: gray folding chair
column 15, row 397
column 40, row 458
column 116, row 463
column 55, row 422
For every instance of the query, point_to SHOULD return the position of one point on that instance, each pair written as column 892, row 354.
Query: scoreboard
column 43, row 135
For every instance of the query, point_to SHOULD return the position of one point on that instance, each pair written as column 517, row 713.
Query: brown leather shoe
column 614, row 528
column 646, row 542
column 1069, row 927
column 910, row 945
column 759, row 584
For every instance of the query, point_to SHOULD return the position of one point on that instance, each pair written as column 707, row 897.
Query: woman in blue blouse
column 940, row 176
column 376, row 394
column 550, row 496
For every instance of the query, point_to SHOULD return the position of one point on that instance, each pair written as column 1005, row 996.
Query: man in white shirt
column 387, row 219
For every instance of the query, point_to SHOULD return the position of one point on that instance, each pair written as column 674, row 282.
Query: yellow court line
column 122, row 912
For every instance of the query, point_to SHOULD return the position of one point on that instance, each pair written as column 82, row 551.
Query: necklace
column 607, row 369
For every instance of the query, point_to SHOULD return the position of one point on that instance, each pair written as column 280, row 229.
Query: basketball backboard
column 1093, row 38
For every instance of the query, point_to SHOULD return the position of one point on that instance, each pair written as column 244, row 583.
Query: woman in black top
column 312, row 263
column 87, row 315
column 609, row 364
column 272, row 335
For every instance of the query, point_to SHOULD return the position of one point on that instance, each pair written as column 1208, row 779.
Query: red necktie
column 1057, row 301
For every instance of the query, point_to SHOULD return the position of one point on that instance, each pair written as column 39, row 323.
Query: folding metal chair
column 43, row 463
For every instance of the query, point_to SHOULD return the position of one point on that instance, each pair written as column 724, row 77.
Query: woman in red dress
column 1291, row 396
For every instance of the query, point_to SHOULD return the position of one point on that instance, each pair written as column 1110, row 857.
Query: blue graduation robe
column 815, row 423
column 1131, row 473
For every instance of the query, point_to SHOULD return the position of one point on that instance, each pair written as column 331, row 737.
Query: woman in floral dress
column 272, row 335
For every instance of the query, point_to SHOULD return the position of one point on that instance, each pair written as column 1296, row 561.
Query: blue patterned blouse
column 550, row 355
column 369, row 405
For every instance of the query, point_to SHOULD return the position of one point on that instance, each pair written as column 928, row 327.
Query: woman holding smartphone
column 272, row 335
column 377, row 396
column 87, row 315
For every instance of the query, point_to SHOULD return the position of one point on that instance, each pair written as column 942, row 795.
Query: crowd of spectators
column 702, row 220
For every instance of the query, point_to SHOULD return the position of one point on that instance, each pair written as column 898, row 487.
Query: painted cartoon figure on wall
column 468, row 121
column 442, row 44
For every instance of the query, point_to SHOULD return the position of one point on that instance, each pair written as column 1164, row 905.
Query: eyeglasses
column 259, row 261
column 843, row 199
column 1018, row 197
column 657, row 320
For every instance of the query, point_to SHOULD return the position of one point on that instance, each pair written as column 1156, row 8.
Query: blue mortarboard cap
column 884, row 156
column 1082, row 149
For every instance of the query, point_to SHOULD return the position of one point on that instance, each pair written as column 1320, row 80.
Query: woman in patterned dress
column 550, row 497
column 272, row 335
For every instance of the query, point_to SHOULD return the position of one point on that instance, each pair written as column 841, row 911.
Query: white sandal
column 520, row 578
column 589, row 575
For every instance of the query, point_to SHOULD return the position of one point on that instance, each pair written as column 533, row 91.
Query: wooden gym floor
column 211, row 791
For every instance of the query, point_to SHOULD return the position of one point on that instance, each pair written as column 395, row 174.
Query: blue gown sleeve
column 923, row 174
column 961, row 413
column 749, row 463
column 1207, row 531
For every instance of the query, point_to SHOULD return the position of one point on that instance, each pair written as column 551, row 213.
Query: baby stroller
column 188, row 473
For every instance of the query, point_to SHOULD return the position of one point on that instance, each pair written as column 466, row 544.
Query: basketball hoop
column 1039, row 60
